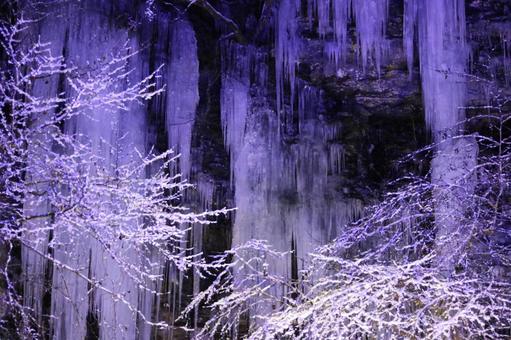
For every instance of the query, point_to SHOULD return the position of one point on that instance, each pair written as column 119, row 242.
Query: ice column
column 181, row 106
column 341, row 12
column 454, row 180
column 287, row 47
column 182, row 92
column 370, row 17
column 37, row 229
column 234, row 98
column 443, row 54
column 286, row 192
column 409, row 23
column 113, row 136
column 443, row 59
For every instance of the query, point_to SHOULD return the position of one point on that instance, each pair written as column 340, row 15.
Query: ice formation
column 35, row 267
column 443, row 54
column 287, row 47
column 452, row 172
column 370, row 18
column 234, row 98
column 182, row 92
column 88, row 39
column 181, row 104
column 285, row 191
column 103, row 128
column 341, row 12
column 409, row 23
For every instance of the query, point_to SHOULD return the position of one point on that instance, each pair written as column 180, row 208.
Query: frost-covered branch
column 394, row 273
column 71, row 200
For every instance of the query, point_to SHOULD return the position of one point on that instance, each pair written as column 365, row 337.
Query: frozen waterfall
column 285, row 156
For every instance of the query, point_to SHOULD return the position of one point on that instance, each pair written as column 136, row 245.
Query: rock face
column 300, row 125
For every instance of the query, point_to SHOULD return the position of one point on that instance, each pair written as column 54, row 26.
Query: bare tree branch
column 218, row 16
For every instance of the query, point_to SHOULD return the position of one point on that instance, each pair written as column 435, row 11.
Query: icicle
column 443, row 58
column 284, row 193
column 234, row 98
column 260, row 72
column 332, row 16
column 341, row 13
column 180, row 113
column 205, row 189
column 323, row 15
column 88, row 47
column 114, row 138
column 409, row 23
column 182, row 92
column 371, row 19
column 336, row 159
column 308, row 99
column 131, row 140
column 287, row 47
